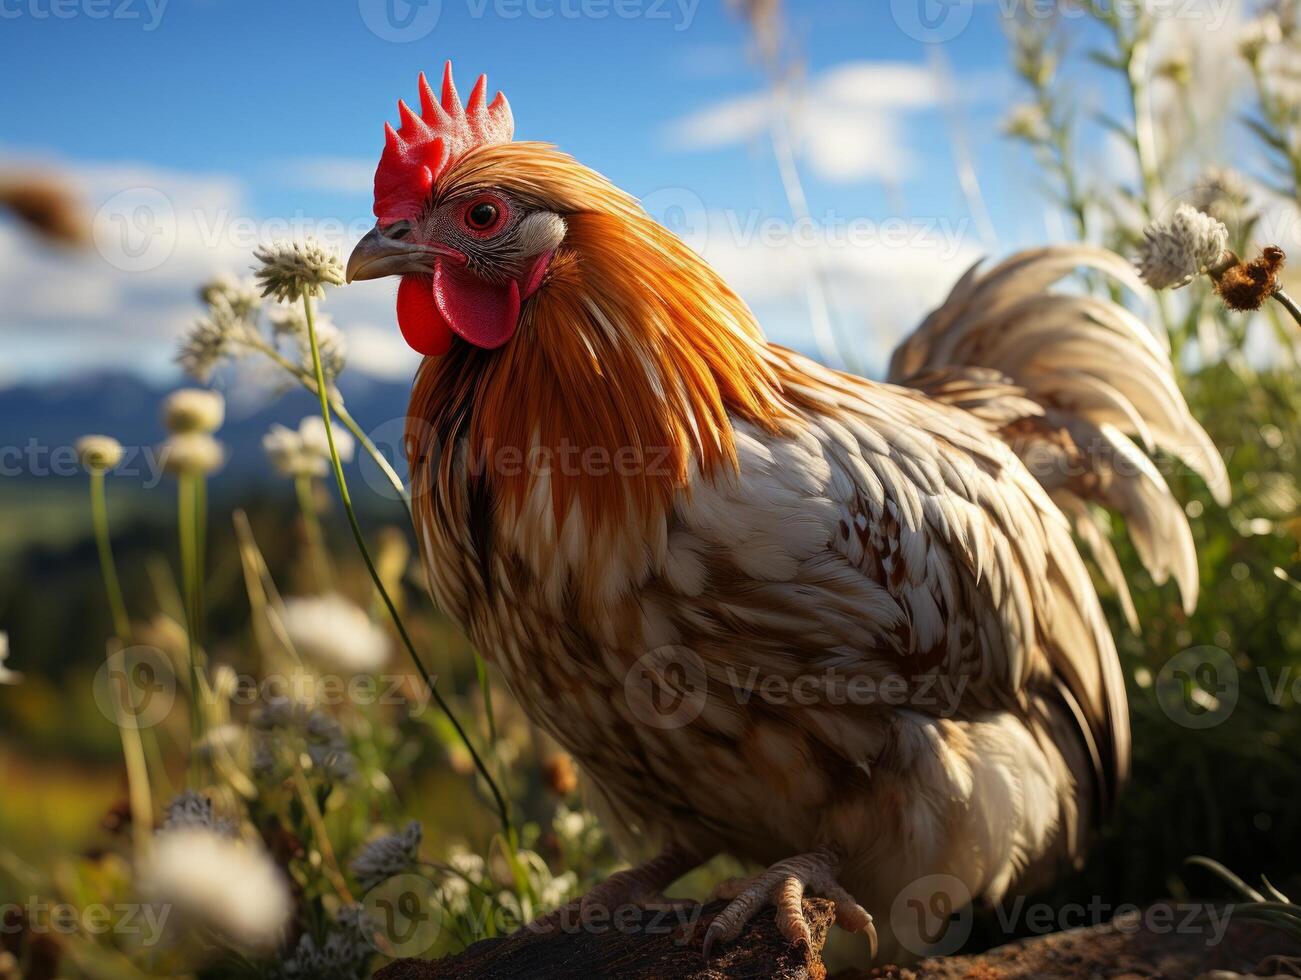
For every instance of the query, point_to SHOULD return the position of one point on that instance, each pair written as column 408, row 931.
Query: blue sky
column 235, row 114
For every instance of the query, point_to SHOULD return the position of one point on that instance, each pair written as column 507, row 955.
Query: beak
column 377, row 256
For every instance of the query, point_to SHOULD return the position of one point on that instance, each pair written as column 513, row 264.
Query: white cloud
column 159, row 233
column 881, row 278
column 381, row 352
column 847, row 119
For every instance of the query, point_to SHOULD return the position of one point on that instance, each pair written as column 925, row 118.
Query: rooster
column 618, row 479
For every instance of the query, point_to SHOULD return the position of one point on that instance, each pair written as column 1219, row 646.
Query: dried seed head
column 193, row 410
column 1175, row 252
column 1245, row 286
column 98, row 454
column 191, row 454
column 290, row 270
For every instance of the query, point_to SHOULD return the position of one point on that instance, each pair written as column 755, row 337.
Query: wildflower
column 1222, row 193
column 312, row 431
column 212, row 338
column 193, row 410
column 7, row 676
column 1174, row 252
column 1245, row 286
column 240, row 296
column 191, row 453
column 1259, row 34
column 98, row 454
column 289, row 455
column 1027, row 122
column 387, row 857
column 227, row 885
column 191, row 810
column 332, row 630
column 286, row 728
column 305, row 452
column 290, row 323
column 291, row 270
column 344, row 955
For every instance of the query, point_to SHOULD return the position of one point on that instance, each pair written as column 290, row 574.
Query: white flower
column 214, row 881
column 1259, row 34
column 214, row 337
column 290, row 322
column 1026, row 121
column 1222, row 193
column 241, row 296
column 290, row 270
column 312, row 431
column 305, row 452
column 7, row 676
column 191, row 453
column 289, row 456
column 334, row 631
column 98, row 454
column 1175, row 252
column 194, row 410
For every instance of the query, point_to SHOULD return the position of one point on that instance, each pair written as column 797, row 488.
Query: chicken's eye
column 483, row 216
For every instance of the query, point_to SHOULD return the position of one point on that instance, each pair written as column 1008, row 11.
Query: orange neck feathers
column 624, row 370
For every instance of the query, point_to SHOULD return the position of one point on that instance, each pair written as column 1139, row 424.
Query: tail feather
column 1072, row 383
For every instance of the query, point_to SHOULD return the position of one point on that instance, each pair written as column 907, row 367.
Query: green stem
column 187, row 526
column 337, row 406
column 112, row 585
column 315, row 536
column 133, row 756
column 323, row 393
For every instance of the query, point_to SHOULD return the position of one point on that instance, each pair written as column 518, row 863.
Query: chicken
column 650, row 519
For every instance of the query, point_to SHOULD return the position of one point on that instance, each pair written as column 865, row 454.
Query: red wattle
column 422, row 325
column 486, row 314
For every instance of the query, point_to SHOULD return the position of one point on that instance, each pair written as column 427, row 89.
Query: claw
column 783, row 886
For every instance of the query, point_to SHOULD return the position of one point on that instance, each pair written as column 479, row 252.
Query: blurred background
column 842, row 163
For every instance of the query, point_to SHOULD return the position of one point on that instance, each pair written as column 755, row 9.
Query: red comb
column 424, row 145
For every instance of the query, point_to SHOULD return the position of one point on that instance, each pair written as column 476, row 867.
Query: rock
column 655, row 944
column 640, row 944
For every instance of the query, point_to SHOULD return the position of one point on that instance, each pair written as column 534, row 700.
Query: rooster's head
column 468, row 254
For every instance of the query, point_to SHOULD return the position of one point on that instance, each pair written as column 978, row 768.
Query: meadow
column 255, row 665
